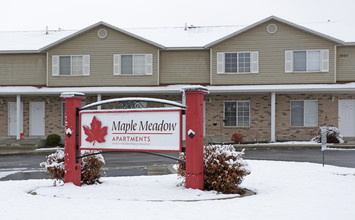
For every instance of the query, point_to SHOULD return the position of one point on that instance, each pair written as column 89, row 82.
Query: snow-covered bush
column 224, row 168
column 333, row 135
column 90, row 166
column 55, row 165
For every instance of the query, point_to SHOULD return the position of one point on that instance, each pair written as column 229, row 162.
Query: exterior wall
column 272, row 49
column 101, row 59
column 184, row 67
column 22, row 69
column 260, row 121
column 259, row 129
column 346, row 63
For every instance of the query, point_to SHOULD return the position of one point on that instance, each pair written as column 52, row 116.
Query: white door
column 12, row 118
column 37, row 118
column 347, row 117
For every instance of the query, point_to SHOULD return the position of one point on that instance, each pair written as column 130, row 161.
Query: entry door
column 37, row 118
column 347, row 118
column 12, row 118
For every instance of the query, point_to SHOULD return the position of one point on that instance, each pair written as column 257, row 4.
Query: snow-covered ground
column 285, row 190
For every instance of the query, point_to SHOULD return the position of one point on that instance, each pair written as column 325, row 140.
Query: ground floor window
column 304, row 113
column 237, row 113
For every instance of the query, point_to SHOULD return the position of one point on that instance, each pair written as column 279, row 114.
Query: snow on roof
column 169, row 37
column 176, row 89
column 180, row 37
column 29, row 40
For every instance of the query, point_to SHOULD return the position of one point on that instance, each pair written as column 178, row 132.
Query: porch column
column 273, row 113
column 99, row 99
column 18, row 117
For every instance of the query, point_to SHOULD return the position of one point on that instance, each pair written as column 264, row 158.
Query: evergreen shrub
column 224, row 169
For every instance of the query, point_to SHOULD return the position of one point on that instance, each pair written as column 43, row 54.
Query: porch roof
column 176, row 89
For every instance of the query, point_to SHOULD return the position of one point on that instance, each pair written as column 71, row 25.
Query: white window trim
column 254, row 62
column 224, row 113
column 85, row 65
column 148, row 65
column 323, row 61
column 304, row 126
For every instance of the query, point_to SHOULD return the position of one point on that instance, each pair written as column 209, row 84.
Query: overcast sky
column 78, row 14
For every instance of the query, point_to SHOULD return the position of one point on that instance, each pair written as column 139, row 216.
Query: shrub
column 237, row 138
column 53, row 140
column 224, row 168
column 90, row 166
column 333, row 136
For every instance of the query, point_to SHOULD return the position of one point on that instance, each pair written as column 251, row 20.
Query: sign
column 323, row 132
column 131, row 130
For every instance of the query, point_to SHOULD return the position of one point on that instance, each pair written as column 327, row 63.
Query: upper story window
column 74, row 65
column 306, row 61
column 132, row 64
column 238, row 62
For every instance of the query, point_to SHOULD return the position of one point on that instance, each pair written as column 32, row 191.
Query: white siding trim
column 149, row 64
column 86, row 65
column 55, row 65
column 117, row 64
column 288, row 61
column 220, row 63
column 254, row 67
column 324, row 57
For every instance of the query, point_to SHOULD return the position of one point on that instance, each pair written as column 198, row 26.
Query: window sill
column 236, row 73
column 130, row 75
column 305, row 72
column 71, row 76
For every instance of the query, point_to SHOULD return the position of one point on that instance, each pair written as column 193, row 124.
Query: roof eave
column 19, row 51
column 43, row 49
column 279, row 20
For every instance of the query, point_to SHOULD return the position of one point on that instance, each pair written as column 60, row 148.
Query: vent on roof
column 271, row 28
column 102, row 33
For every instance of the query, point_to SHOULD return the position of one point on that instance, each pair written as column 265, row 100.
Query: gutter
column 176, row 89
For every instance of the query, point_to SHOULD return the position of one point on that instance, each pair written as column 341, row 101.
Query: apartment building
column 270, row 81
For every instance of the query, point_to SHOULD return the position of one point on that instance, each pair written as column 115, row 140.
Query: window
column 132, row 64
column 238, row 62
column 76, row 65
column 307, row 61
column 237, row 113
column 304, row 113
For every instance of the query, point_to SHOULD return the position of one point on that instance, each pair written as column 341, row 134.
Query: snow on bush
column 333, row 135
column 90, row 166
column 224, row 168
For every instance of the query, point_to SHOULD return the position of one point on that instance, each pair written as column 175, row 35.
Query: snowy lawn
column 285, row 190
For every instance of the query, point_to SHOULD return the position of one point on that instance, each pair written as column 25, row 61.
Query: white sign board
column 323, row 133
column 131, row 130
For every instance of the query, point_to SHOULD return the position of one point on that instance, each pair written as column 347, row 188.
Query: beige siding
column 272, row 49
column 22, row 69
column 346, row 64
column 101, row 59
column 184, row 67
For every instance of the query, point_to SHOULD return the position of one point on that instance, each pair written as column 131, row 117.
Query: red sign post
column 194, row 137
column 72, row 165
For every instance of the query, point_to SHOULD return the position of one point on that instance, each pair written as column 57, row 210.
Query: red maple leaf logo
column 96, row 132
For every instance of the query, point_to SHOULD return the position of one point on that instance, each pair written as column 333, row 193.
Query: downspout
column 211, row 66
column 273, row 116
column 47, row 70
column 335, row 63
column 158, row 67
column 18, row 117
